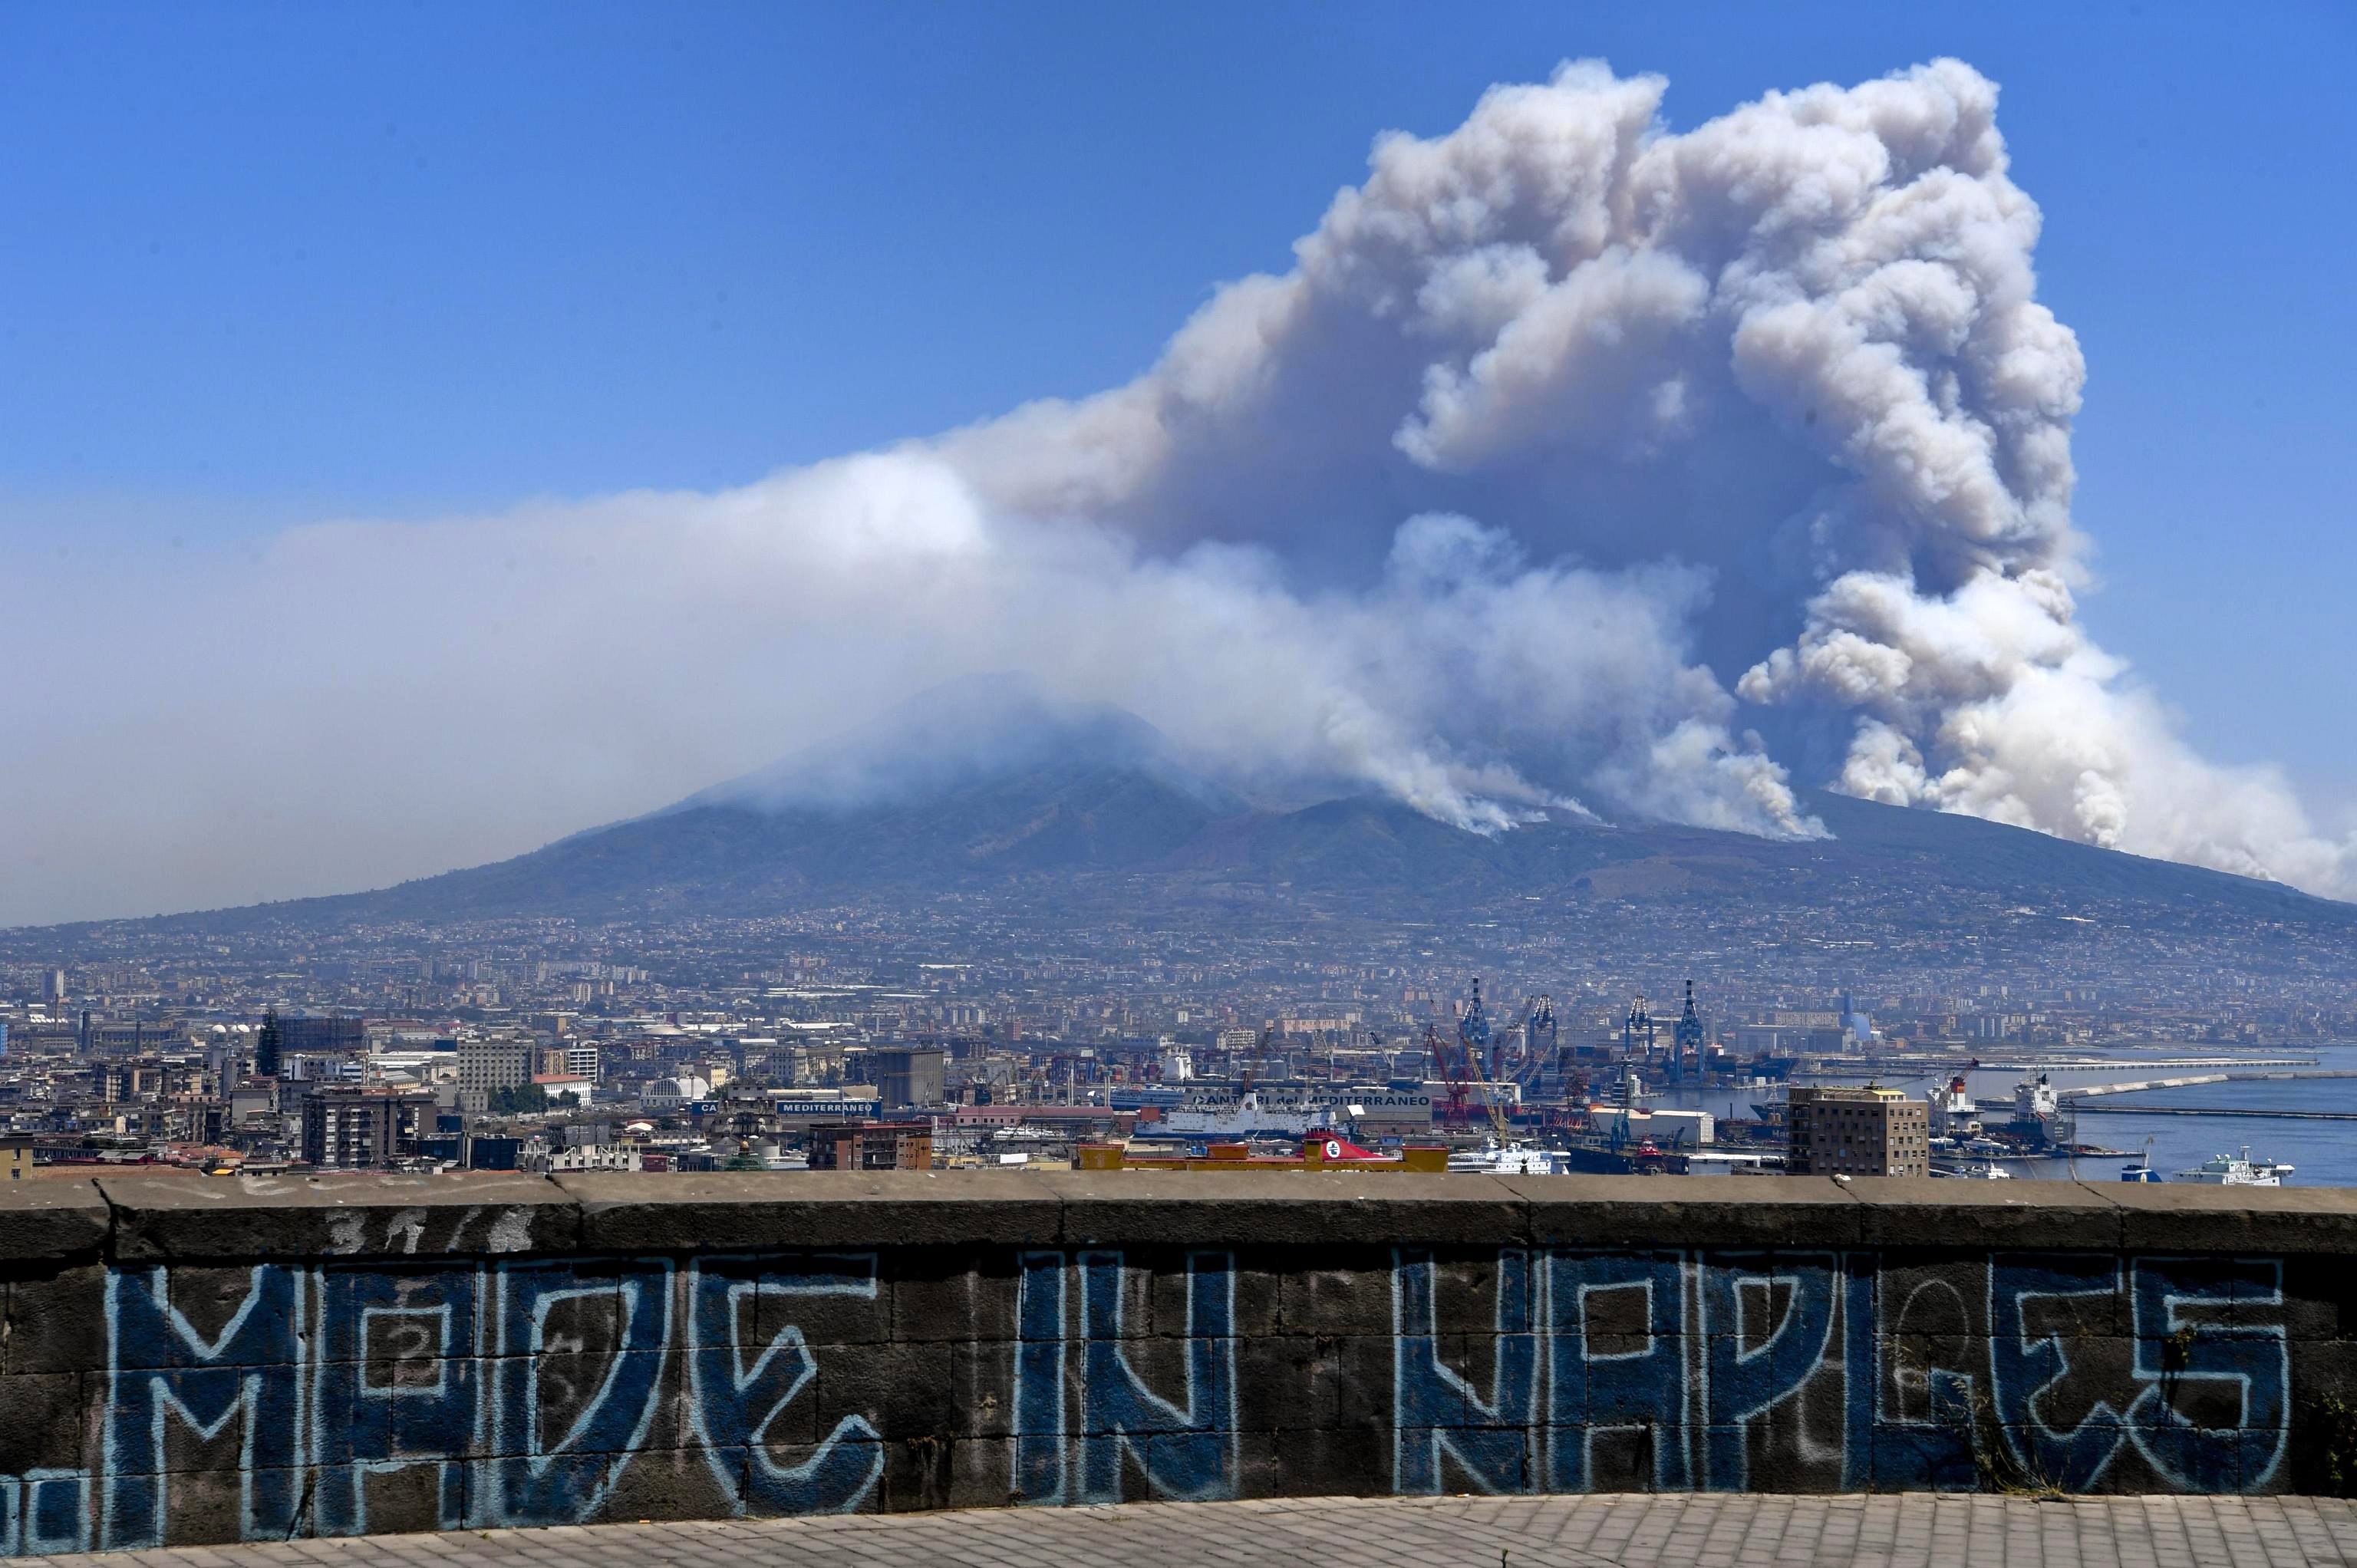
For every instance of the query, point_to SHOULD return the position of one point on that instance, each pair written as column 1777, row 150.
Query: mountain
column 990, row 786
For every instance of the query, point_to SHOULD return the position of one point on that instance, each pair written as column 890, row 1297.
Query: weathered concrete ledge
column 187, row 1359
column 134, row 1218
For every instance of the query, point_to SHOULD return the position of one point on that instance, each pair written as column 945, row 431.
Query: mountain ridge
column 990, row 785
column 1085, row 824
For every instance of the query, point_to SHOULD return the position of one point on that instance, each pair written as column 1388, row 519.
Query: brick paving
column 1705, row 1531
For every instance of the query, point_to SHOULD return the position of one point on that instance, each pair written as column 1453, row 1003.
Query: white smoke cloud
column 367, row 700
column 1565, row 438
column 1798, row 345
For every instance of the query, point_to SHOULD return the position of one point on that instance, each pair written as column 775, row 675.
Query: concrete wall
column 194, row 1361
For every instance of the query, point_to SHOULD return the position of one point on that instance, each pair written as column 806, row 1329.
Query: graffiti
column 1767, row 1325
column 397, row 1359
column 1616, row 1358
column 409, row 1230
column 2180, row 1340
column 1437, row 1414
column 736, row 1403
column 422, row 1391
column 540, row 1469
column 1707, row 1366
column 1073, row 1436
column 166, row 1373
column 521, row 1390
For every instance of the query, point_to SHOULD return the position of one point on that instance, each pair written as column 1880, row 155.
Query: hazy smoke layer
column 1569, row 454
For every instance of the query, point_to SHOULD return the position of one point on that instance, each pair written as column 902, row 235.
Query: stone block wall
column 187, row 1360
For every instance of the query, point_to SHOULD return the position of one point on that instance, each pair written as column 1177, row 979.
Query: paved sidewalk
column 1709, row 1531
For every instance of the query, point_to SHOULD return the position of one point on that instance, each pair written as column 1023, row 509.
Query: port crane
column 1442, row 1063
column 1538, row 1034
column 1461, row 1067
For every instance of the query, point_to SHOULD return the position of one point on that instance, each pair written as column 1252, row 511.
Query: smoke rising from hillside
column 1797, row 348
column 1572, row 458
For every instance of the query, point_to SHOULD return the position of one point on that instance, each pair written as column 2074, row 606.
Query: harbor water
column 2322, row 1153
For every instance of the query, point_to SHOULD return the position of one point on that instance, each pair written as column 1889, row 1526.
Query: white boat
column 1493, row 1158
column 2235, row 1170
column 1978, row 1170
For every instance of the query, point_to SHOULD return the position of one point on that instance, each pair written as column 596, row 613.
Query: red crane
column 1448, row 1059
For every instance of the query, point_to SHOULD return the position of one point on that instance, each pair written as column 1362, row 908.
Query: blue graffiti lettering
column 398, row 1363
column 1750, row 1368
column 732, row 1402
column 1184, row 1448
column 2025, row 1365
column 1886, row 1448
column 163, row 1371
column 536, row 1476
column 2175, row 1347
column 1633, row 1382
column 45, row 1513
column 1038, row 1419
column 1188, row 1452
column 1436, row 1411
column 517, row 1393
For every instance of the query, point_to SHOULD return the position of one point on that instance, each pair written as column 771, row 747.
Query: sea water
column 2323, row 1153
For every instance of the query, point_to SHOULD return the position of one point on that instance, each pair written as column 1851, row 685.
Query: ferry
column 1494, row 1158
column 2236, row 1170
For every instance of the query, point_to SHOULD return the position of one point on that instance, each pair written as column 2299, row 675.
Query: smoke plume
column 1797, row 348
column 1576, row 464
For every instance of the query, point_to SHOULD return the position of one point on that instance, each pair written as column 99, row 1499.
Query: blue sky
column 267, row 263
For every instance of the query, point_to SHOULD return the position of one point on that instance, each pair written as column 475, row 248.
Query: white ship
column 1246, row 1118
column 1954, row 1113
column 2236, row 1170
column 1493, row 1158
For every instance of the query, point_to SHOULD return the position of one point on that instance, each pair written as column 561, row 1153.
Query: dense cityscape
column 685, row 1043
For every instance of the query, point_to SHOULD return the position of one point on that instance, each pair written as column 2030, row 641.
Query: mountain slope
column 1085, row 825
column 989, row 786
column 731, row 856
